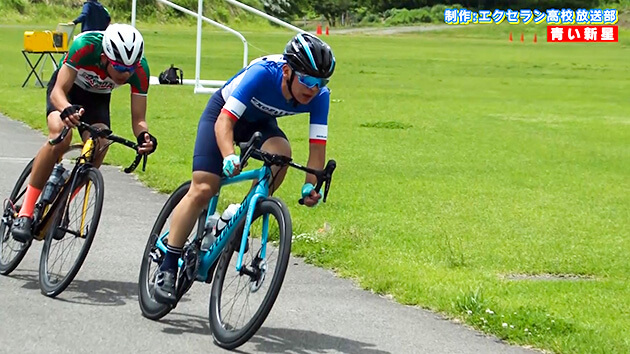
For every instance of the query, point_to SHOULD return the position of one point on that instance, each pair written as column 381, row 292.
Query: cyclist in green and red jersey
column 80, row 90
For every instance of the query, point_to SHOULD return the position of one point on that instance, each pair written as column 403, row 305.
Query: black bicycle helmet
column 307, row 54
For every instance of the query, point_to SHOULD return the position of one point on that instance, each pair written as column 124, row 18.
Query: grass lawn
column 472, row 171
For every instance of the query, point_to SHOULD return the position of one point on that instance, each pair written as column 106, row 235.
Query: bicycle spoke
column 79, row 212
column 153, row 257
column 61, row 256
column 241, row 302
column 11, row 251
column 69, row 239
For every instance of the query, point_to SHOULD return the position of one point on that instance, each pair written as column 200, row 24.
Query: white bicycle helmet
column 123, row 43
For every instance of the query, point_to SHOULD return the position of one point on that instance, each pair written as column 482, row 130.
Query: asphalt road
column 316, row 312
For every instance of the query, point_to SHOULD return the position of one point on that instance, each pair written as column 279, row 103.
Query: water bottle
column 210, row 232
column 226, row 216
column 64, row 177
column 54, row 183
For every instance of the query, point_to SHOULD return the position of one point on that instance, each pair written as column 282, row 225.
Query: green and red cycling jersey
column 84, row 56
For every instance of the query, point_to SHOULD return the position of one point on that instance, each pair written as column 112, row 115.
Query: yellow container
column 43, row 41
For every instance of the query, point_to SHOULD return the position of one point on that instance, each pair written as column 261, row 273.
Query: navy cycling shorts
column 207, row 156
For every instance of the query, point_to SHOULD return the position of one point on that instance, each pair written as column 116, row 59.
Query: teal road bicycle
column 247, row 261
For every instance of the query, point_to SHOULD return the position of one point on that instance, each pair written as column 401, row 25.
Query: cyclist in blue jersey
column 270, row 87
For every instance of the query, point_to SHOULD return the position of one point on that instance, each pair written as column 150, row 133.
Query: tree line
column 335, row 12
column 403, row 11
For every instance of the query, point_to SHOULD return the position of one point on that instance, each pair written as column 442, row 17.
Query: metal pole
column 214, row 23
column 133, row 13
column 270, row 18
column 198, row 56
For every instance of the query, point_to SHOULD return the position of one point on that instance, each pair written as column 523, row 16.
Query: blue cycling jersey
column 255, row 93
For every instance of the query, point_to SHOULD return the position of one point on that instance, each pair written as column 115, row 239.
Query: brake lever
column 325, row 177
column 134, row 164
column 64, row 131
column 144, row 162
column 330, row 168
column 59, row 138
column 326, row 188
column 317, row 188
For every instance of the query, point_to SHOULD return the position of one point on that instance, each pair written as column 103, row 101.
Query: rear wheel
column 241, row 301
column 11, row 251
column 71, row 233
column 152, row 257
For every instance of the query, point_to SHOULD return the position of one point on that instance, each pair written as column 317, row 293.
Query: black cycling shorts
column 207, row 156
column 96, row 105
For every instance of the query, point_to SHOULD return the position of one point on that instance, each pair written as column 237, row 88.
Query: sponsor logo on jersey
column 271, row 110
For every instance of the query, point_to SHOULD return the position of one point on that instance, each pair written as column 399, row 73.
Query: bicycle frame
column 209, row 257
column 83, row 162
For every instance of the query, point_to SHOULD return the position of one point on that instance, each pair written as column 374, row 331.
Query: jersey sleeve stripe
column 318, row 132
column 317, row 141
column 230, row 114
column 236, row 107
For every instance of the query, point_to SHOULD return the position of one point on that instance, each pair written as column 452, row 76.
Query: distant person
column 93, row 17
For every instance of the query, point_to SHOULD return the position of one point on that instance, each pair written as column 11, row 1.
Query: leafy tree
column 285, row 9
column 332, row 9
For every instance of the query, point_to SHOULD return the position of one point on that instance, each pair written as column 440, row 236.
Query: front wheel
column 11, row 251
column 71, row 233
column 241, row 301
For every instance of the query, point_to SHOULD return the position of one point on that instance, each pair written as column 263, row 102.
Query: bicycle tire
column 8, row 266
column 47, row 286
column 150, row 308
column 230, row 339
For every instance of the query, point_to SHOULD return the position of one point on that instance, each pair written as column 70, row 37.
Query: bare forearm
column 224, row 132
column 316, row 158
column 139, row 127
column 138, row 114
column 65, row 80
column 58, row 98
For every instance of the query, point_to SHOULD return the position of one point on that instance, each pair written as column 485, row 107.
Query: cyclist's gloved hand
column 71, row 115
column 147, row 143
column 311, row 197
column 231, row 165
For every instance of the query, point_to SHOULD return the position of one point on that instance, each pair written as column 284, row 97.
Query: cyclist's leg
column 44, row 162
column 207, row 162
column 96, row 107
column 273, row 140
column 280, row 146
column 206, row 179
column 204, row 185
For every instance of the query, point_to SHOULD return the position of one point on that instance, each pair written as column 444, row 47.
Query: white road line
column 15, row 159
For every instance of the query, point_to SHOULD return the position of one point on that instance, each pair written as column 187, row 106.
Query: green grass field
column 472, row 172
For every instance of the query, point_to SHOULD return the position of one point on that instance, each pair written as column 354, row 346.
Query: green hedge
column 147, row 10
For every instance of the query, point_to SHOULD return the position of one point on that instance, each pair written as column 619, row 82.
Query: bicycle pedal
column 40, row 236
column 59, row 234
column 155, row 257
